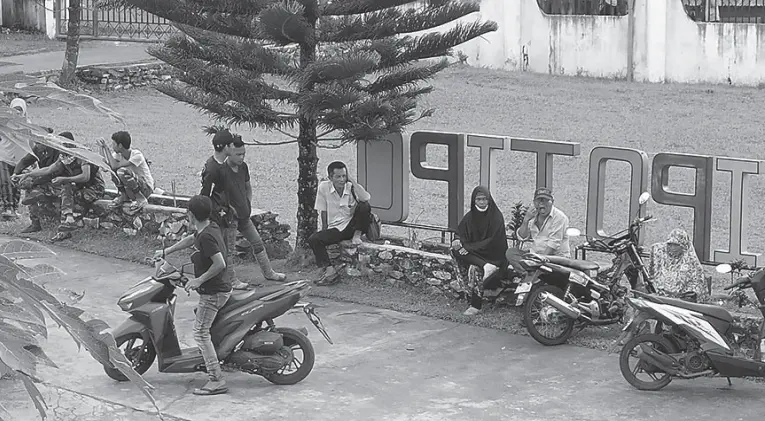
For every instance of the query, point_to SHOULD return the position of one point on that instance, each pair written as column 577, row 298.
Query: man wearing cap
column 545, row 226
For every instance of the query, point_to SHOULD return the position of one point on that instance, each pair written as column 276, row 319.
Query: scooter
column 243, row 333
column 697, row 339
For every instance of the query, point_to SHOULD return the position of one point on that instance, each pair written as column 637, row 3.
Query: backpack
column 374, row 230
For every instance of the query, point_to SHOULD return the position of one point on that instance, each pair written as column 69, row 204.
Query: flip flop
column 204, row 391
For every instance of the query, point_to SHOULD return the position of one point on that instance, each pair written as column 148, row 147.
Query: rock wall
column 120, row 77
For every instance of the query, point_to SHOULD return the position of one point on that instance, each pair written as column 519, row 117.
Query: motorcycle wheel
column 535, row 310
column 658, row 342
column 303, row 358
column 141, row 356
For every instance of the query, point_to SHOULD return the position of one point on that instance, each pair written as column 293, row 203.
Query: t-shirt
column 138, row 164
column 235, row 185
column 212, row 184
column 44, row 156
column 208, row 243
column 75, row 168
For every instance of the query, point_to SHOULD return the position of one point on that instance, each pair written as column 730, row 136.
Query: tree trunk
column 308, row 182
column 72, row 44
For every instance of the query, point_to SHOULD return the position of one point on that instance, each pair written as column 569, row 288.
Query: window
column 584, row 7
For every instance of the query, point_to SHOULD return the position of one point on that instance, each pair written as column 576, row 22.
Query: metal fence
column 114, row 24
column 584, row 7
column 733, row 11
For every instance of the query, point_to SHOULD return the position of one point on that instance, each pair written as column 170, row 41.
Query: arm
column 361, row 194
column 219, row 264
column 24, row 163
column 184, row 243
column 321, row 206
column 79, row 178
column 248, row 191
column 324, row 220
column 41, row 172
column 208, row 179
column 523, row 232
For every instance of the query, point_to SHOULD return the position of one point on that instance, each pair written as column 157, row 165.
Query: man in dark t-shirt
column 209, row 281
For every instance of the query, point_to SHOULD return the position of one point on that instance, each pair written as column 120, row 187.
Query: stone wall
column 119, row 77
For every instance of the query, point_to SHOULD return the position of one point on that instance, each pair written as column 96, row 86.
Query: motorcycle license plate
column 524, row 287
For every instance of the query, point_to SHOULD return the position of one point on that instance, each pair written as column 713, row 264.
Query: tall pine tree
column 339, row 71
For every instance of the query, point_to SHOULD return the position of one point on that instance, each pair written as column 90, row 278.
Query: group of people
column 481, row 241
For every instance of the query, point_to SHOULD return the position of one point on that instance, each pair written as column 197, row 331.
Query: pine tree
column 322, row 72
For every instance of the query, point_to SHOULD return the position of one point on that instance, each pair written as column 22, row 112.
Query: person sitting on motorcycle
column 209, row 281
column 676, row 269
column 545, row 226
column 482, row 242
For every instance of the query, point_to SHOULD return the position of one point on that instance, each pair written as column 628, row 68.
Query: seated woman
column 482, row 242
column 675, row 268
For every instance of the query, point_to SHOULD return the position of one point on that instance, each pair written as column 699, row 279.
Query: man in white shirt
column 344, row 208
column 545, row 225
column 134, row 180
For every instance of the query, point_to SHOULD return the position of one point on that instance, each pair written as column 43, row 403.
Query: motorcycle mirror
column 723, row 268
column 643, row 199
column 573, row 232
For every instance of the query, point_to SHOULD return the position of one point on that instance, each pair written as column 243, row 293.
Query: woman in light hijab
column 9, row 192
column 675, row 268
column 482, row 242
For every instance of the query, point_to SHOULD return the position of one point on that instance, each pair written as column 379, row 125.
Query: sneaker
column 212, row 388
column 472, row 311
column 33, row 227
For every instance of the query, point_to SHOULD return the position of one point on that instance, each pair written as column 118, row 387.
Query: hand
column 530, row 214
column 456, row 244
column 101, row 142
column 159, row 254
column 57, row 180
column 16, row 178
column 462, row 251
column 193, row 283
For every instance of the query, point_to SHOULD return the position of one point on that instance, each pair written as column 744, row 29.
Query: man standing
column 235, row 177
column 134, row 180
column 209, row 282
column 344, row 207
column 545, row 226
column 213, row 186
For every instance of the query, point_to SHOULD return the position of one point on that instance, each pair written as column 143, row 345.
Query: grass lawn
column 17, row 43
column 713, row 120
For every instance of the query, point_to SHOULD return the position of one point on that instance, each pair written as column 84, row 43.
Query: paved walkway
column 91, row 52
column 385, row 365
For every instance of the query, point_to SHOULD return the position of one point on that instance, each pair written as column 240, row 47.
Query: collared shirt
column 552, row 234
column 339, row 208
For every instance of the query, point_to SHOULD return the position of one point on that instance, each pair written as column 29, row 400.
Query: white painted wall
column 668, row 46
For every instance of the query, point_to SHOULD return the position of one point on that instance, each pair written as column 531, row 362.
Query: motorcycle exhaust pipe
column 660, row 361
column 561, row 305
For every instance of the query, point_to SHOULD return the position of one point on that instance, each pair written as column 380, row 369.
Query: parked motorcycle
column 698, row 340
column 243, row 333
column 565, row 292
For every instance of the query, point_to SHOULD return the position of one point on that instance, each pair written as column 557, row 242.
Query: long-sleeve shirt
column 551, row 234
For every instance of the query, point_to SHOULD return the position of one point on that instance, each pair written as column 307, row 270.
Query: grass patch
column 22, row 43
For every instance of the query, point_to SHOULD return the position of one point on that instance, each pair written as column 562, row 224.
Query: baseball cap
column 223, row 137
column 543, row 192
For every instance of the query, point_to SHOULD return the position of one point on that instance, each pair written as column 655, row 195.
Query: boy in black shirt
column 210, row 283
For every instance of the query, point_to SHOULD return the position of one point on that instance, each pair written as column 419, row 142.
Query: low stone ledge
column 127, row 76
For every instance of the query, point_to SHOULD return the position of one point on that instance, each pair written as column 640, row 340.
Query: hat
column 223, row 138
column 543, row 192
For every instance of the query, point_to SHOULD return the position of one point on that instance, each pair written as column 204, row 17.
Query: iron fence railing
column 115, row 23
column 729, row 11
column 584, row 7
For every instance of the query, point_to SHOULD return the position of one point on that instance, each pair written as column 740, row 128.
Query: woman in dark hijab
column 482, row 242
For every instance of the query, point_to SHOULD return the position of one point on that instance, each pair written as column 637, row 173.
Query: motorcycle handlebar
column 741, row 283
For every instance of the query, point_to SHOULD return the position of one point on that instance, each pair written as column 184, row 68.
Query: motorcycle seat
column 582, row 265
column 709, row 310
column 238, row 298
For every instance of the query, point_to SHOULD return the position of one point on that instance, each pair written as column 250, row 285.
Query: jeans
column 130, row 185
column 229, row 240
column 320, row 240
column 492, row 282
column 250, row 233
column 209, row 305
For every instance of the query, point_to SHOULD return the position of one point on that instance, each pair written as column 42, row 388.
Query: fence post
column 631, row 40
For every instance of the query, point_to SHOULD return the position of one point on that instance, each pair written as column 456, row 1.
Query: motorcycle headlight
column 578, row 279
column 592, row 274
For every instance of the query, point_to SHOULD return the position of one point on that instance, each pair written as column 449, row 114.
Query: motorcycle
column 564, row 293
column 243, row 333
column 698, row 340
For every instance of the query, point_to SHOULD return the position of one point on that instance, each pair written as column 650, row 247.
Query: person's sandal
column 61, row 235
column 240, row 286
column 208, row 390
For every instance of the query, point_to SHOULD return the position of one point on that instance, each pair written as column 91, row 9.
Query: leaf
column 72, row 297
column 44, row 271
column 4, row 415
column 41, row 355
column 20, row 249
column 36, row 396
column 13, row 311
column 13, row 354
column 49, row 90
column 76, row 149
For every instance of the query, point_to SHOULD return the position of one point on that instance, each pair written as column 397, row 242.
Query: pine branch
column 229, row 112
column 284, row 24
column 236, row 7
column 396, row 51
column 177, row 12
column 371, row 118
column 406, row 77
column 329, row 96
column 353, row 66
column 231, row 51
column 391, row 22
column 232, row 84
column 357, row 7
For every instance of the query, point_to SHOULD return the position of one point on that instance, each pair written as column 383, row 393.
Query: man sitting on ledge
column 344, row 207
column 545, row 226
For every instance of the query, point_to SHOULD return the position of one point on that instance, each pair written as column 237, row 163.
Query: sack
column 374, row 230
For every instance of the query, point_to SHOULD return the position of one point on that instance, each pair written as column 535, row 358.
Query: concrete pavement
column 91, row 53
column 390, row 366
